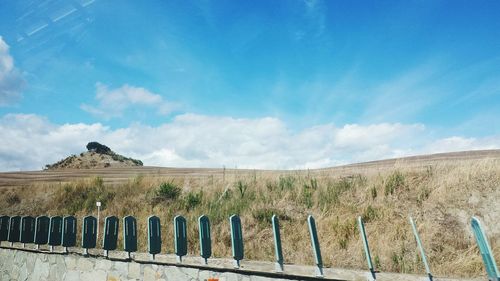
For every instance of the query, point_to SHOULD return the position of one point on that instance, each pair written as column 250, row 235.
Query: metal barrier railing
column 61, row 231
column 485, row 250
column 421, row 248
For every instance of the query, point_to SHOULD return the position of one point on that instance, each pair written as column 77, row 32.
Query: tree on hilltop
column 98, row 148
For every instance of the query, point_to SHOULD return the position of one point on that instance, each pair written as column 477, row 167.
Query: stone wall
column 26, row 265
column 31, row 264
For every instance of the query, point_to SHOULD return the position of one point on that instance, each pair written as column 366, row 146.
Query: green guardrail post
column 110, row 237
column 236, row 239
column 485, row 250
column 41, row 231
column 180, row 237
column 154, row 236
column 315, row 245
column 205, row 238
column 89, row 234
column 421, row 248
column 129, row 235
column 55, row 232
column 27, row 230
column 69, row 232
column 14, row 229
column 362, row 231
column 4, row 228
column 277, row 244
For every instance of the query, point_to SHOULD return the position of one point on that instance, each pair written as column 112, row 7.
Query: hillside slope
column 97, row 156
column 94, row 160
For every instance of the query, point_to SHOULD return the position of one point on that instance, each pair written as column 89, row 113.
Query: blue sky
column 429, row 68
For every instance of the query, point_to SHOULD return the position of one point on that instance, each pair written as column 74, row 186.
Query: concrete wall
column 30, row 264
column 24, row 265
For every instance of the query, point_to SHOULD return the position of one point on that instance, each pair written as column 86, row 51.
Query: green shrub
column 306, row 198
column 286, row 182
column 399, row 263
column 395, row 181
column 192, row 200
column 312, row 184
column 334, row 190
column 308, row 190
column 121, row 158
column 376, row 260
column 242, row 187
column 168, row 191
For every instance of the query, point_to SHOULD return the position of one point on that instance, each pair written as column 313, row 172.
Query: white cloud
column 30, row 141
column 114, row 102
column 11, row 80
column 457, row 143
column 191, row 140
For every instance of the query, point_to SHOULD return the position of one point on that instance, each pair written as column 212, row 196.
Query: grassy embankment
column 440, row 197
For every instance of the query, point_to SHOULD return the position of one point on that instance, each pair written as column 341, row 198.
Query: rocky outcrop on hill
column 97, row 156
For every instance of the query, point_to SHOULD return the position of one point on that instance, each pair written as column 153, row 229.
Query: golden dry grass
column 440, row 196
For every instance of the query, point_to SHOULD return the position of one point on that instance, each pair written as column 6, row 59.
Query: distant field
column 441, row 191
column 122, row 175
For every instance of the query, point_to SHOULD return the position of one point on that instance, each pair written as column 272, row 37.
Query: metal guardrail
column 421, row 249
column 236, row 239
column 277, row 244
column 315, row 246
column 61, row 231
column 485, row 250
column 368, row 255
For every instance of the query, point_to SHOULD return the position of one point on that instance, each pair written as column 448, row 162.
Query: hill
column 97, row 156
column 440, row 191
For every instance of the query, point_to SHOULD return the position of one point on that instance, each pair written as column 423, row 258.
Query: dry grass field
column 440, row 191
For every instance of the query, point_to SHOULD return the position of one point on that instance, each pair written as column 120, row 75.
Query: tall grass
column 440, row 197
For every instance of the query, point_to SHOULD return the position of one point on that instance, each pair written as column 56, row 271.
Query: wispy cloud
column 11, row 80
column 405, row 95
column 316, row 15
column 113, row 103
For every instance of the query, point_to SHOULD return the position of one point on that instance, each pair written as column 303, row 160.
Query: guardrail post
column 41, row 231
column 236, row 240
column 14, row 229
column 421, row 248
column 277, row 244
column 27, row 230
column 154, row 236
column 180, row 237
column 315, row 245
column 69, row 233
column 129, row 235
column 205, row 238
column 362, row 231
column 55, row 232
column 4, row 228
column 110, row 237
column 89, row 234
column 485, row 250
